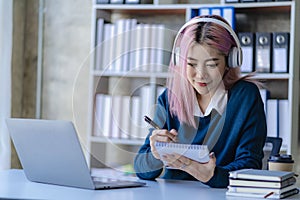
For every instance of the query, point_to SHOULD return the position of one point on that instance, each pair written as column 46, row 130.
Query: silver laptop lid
column 41, row 146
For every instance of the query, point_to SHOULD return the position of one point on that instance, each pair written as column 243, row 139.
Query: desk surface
column 14, row 185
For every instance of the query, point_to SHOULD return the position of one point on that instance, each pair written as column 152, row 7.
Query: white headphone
column 235, row 56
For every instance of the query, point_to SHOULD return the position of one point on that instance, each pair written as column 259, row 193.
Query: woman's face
column 205, row 68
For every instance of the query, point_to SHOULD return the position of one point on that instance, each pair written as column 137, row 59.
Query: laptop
column 50, row 152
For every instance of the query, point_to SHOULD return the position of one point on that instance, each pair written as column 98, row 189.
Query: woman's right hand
column 161, row 135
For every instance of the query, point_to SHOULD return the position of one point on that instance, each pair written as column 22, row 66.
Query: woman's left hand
column 201, row 171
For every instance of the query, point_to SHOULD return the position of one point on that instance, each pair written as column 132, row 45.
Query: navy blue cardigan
column 240, row 145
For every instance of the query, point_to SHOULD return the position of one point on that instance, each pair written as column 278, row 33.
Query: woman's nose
column 201, row 72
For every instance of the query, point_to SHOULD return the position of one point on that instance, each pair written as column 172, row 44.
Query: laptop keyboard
column 104, row 182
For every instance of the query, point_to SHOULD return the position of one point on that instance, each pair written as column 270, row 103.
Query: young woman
column 206, row 102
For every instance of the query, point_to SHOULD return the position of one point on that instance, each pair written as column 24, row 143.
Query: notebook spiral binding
column 181, row 146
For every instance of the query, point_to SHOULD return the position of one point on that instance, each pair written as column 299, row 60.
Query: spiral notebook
column 195, row 152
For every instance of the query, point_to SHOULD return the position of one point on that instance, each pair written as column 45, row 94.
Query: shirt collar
column 218, row 102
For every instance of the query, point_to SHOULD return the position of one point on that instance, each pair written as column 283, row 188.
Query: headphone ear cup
column 240, row 57
column 176, row 55
column 235, row 57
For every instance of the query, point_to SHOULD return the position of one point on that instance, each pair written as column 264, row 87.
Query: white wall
column 67, row 36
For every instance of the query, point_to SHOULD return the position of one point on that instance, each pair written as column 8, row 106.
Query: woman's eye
column 211, row 65
column 192, row 65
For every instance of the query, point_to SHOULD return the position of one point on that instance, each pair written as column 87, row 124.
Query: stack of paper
column 261, row 184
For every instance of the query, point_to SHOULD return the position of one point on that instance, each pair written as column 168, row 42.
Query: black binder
column 264, row 0
column 247, row 1
column 247, row 44
column 102, row 1
column 280, row 52
column 263, row 53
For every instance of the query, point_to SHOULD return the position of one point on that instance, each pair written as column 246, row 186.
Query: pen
column 269, row 194
column 152, row 123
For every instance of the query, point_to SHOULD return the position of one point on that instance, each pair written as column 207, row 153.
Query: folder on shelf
column 194, row 13
column 263, row 52
column 204, row 11
column 154, row 48
column 280, row 52
column 116, row 116
column 146, row 43
column 133, row 46
column 125, row 125
column 111, row 44
column 216, row 11
column 130, row 25
column 132, row 1
column 107, row 115
column 231, row 1
column 116, row 1
column 105, row 54
column 264, row 0
column 146, row 108
column 164, row 44
column 102, row 1
column 136, row 115
column 265, row 95
column 284, row 122
column 272, row 118
column 137, row 53
column 98, row 45
column 228, row 13
column 98, row 115
column 247, row 1
column 119, row 47
column 247, row 44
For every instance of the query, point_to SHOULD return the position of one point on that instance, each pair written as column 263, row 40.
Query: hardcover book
column 263, row 184
column 240, row 189
column 255, row 174
column 270, row 195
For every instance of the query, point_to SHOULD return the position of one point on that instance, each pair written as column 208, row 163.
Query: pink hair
column 181, row 94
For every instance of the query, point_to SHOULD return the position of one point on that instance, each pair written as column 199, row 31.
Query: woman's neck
column 203, row 101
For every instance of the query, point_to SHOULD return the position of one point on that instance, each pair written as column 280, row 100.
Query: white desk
column 14, row 185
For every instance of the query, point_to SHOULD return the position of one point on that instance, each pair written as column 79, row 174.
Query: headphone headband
column 216, row 21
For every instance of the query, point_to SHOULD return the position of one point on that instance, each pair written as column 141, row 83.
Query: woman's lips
column 202, row 84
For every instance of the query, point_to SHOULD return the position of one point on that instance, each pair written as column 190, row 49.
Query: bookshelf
column 249, row 17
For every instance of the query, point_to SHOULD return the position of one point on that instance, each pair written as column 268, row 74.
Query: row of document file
column 124, row 2
column 129, row 46
column 277, row 116
column 227, row 12
column 265, row 52
column 249, row 1
column 122, row 117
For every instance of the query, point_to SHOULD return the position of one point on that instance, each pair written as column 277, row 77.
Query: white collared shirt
column 218, row 102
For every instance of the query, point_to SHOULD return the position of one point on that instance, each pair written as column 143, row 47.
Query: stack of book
column 261, row 184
